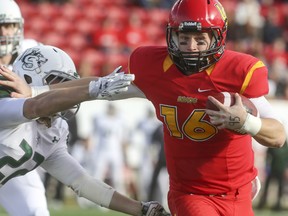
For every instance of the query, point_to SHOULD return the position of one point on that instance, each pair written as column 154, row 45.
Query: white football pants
column 24, row 196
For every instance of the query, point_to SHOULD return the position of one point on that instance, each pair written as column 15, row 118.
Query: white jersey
column 27, row 192
column 26, row 144
column 28, row 43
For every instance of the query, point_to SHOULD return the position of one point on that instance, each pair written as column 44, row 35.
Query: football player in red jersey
column 210, row 166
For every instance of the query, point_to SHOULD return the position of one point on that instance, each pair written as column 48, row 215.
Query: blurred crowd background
column 99, row 35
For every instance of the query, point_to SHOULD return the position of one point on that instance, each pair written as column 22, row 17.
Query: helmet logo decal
column 221, row 11
column 32, row 60
column 190, row 26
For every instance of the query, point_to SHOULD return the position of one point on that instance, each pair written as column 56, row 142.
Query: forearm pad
column 93, row 190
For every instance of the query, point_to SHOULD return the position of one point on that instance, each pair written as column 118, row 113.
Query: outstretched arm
column 68, row 95
column 23, row 90
column 54, row 101
column 67, row 170
column 60, row 99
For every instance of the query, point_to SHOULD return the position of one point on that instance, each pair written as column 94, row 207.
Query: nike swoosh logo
column 203, row 90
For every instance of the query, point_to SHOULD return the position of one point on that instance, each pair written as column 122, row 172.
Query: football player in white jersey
column 27, row 192
column 32, row 132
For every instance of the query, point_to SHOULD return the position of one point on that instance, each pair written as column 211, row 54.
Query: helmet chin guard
column 196, row 16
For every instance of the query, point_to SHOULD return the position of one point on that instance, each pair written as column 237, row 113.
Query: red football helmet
column 199, row 16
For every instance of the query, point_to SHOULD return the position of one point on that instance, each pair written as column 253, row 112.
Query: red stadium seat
column 71, row 12
column 86, row 26
column 75, row 55
column 82, row 3
column 155, row 33
column 39, row 26
column 63, row 26
column 158, row 17
column 113, row 61
column 103, row 3
column 54, row 39
column 48, row 11
column 134, row 37
column 96, row 14
column 119, row 14
column 28, row 10
column 91, row 63
column 77, row 41
column 108, row 37
column 135, row 33
column 33, row 35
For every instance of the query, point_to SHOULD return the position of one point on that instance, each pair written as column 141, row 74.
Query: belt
column 233, row 193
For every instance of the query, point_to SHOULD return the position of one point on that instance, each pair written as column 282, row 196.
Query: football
column 228, row 99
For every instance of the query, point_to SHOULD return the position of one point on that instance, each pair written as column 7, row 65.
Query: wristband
column 37, row 90
column 94, row 88
column 252, row 125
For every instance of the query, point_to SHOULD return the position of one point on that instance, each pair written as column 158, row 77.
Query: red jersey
column 200, row 158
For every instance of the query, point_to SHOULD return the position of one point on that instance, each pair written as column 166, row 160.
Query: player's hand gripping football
column 229, row 117
column 107, row 86
column 153, row 208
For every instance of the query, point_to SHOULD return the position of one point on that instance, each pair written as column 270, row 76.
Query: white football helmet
column 44, row 65
column 10, row 13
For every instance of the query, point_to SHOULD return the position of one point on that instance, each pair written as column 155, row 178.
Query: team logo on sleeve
column 55, row 139
column 32, row 60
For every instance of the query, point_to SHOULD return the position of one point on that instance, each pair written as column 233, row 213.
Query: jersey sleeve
column 63, row 166
column 28, row 43
column 242, row 73
column 11, row 112
column 67, row 170
column 256, row 81
column 140, row 64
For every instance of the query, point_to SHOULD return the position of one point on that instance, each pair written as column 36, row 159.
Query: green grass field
column 71, row 208
column 74, row 210
column 82, row 212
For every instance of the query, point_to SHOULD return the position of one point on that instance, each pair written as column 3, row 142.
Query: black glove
column 153, row 208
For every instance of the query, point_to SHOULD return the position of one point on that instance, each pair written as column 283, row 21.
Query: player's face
column 8, row 29
column 194, row 41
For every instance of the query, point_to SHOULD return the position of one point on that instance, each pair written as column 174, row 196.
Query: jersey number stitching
column 195, row 127
column 9, row 161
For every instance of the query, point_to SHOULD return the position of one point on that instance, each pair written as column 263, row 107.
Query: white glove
column 107, row 86
column 153, row 208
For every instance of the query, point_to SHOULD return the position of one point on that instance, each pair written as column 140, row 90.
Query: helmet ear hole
column 28, row 79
